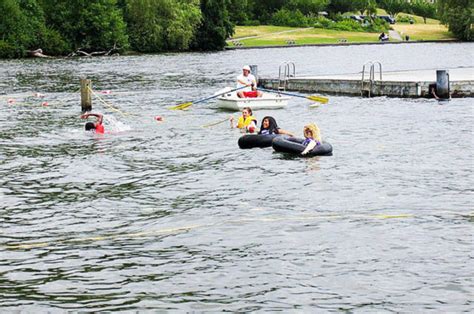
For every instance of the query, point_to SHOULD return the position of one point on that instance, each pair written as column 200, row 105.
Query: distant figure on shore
column 407, row 38
column 248, row 81
column 383, row 37
column 98, row 127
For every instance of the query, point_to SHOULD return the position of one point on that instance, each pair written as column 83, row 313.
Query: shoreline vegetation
column 49, row 28
column 271, row 36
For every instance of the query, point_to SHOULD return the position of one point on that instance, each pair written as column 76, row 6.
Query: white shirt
column 249, row 79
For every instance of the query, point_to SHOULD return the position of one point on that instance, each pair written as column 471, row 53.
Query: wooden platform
column 413, row 84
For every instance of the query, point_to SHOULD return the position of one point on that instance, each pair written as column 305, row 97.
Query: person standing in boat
column 269, row 126
column 312, row 136
column 246, row 121
column 247, row 80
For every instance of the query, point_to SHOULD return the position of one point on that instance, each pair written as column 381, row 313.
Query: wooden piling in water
column 86, row 95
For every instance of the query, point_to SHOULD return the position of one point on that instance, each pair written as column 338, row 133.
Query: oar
column 188, row 104
column 317, row 98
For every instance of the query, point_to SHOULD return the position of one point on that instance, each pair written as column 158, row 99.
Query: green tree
column 307, row 7
column 160, row 25
column 182, row 28
column 371, row 9
column 393, row 7
column 13, row 38
column 22, row 28
column 216, row 26
column 264, row 9
column 341, row 6
column 423, row 9
column 458, row 16
column 239, row 11
column 89, row 25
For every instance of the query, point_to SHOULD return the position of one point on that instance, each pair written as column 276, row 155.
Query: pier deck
column 415, row 83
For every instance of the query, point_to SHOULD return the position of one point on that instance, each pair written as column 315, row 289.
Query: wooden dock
column 410, row 84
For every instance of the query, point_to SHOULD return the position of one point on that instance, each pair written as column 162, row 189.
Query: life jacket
column 241, row 123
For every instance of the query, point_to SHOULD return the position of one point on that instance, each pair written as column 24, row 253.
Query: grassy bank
column 266, row 35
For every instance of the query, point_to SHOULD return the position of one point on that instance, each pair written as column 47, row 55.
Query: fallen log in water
column 38, row 53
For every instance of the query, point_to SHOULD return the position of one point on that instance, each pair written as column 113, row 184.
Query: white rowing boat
column 231, row 101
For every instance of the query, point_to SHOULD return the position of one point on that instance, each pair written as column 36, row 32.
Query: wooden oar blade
column 320, row 99
column 181, row 106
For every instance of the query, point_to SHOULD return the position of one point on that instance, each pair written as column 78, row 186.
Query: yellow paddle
column 186, row 105
column 317, row 98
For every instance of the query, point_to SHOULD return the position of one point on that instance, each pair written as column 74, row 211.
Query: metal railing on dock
column 367, row 89
column 286, row 70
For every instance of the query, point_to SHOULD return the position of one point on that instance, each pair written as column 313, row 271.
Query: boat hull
column 267, row 101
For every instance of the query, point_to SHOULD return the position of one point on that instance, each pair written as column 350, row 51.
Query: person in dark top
column 383, row 37
column 270, row 126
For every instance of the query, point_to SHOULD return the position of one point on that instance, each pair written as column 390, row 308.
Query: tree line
column 61, row 27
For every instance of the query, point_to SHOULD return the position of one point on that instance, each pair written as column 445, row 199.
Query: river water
column 173, row 216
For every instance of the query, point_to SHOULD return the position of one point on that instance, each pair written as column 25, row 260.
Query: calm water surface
column 173, row 216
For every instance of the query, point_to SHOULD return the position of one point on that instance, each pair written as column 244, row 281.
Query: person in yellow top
column 247, row 122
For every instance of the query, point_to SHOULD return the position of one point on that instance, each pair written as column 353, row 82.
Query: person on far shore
column 246, row 121
column 383, row 37
column 312, row 136
column 247, row 80
column 269, row 126
column 98, row 127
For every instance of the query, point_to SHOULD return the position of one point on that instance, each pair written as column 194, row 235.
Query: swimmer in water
column 98, row 127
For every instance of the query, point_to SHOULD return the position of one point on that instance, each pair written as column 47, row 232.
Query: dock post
column 442, row 84
column 86, row 96
column 254, row 71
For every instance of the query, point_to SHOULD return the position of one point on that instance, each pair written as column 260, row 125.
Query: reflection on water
column 169, row 215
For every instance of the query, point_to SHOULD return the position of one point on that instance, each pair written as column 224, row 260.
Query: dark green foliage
column 341, row 6
column 405, row 19
column 344, row 24
column 285, row 17
column 239, row 12
column 376, row 26
column 322, row 22
column 348, row 25
column 16, row 33
column 23, row 28
column 216, row 26
column 13, row 37
column 393, row 7
column 422, row 8
column 307, row 7
column 263, row 9
column 459, row 16
column 88, row 25
column 162, row 25
column 8, row 50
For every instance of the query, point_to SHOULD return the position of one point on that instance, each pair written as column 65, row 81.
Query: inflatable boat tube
column 295, row 146
column 256, row 140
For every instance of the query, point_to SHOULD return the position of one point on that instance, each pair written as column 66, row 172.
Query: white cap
column 246, row 67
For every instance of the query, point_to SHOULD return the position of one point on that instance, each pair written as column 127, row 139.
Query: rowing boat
column 230, row 101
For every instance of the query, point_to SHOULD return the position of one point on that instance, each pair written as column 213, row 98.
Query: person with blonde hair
column 312, row 136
